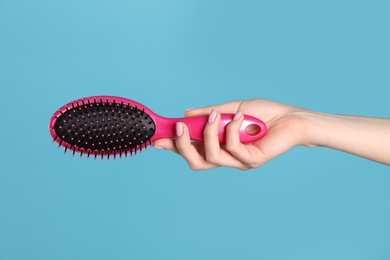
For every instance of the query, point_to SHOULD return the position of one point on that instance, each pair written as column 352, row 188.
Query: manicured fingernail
column 158, row 147
column 237, row 115
column 188, row 109
column 179, row 129
column 212, row 115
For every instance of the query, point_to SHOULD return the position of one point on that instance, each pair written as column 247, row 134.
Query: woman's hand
column 288, row 126
column 286, row 129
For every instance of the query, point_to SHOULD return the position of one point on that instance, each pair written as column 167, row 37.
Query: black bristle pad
column 105, row 128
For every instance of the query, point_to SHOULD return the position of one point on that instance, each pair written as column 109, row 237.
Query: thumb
column 229, row 107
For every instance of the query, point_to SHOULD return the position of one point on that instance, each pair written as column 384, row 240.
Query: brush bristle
column 101, row 128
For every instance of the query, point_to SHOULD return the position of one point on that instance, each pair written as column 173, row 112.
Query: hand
column 286, row 129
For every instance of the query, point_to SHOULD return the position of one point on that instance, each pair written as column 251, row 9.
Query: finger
column 165, row 144
column 169, row 144
column 274, row 143
column 247, row 154
column 213, row 152
column 188, row 151
column 230, row 107
column 210, row 136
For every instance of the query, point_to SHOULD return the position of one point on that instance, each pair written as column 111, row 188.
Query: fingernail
column 158, row 147
column 237, row 115
column 212, row 115
column 179, row 129
column 188, row 109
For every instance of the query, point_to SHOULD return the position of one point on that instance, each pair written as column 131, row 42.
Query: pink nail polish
column 158, row 147
column 212, row 115
column 179, row 129
column 237, row 115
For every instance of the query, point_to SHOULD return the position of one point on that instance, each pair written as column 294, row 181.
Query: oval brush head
column 101, row 127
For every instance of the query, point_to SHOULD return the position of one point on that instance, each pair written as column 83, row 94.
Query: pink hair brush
column 116, row 126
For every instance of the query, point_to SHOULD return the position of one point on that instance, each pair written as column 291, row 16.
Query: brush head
column 102, row 126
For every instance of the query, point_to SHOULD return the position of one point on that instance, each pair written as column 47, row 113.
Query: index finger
column 229, row 107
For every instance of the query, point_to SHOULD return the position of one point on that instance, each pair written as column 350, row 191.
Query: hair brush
column 107, row 126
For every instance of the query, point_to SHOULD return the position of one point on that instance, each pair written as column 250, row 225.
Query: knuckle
column 209, row 134
column 195, row 167
column 231, row 146
column 233, row 126
column 254, row 164
column 245, row 168
column 212, row 158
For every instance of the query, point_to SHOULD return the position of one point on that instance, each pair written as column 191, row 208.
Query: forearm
column 363, row 136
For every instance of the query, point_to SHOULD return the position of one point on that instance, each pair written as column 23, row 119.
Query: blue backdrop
column 310, row 203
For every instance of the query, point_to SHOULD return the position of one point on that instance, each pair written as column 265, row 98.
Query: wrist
column 323, row 129
column 312, row 127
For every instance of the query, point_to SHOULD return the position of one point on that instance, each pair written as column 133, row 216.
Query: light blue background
column 310, row 203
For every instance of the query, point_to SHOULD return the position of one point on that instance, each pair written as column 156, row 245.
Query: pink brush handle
column 165, row 127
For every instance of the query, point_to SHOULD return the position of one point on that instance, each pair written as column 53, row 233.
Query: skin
column 288, row 126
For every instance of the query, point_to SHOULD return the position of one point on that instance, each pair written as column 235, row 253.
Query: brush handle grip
column 196, row 124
